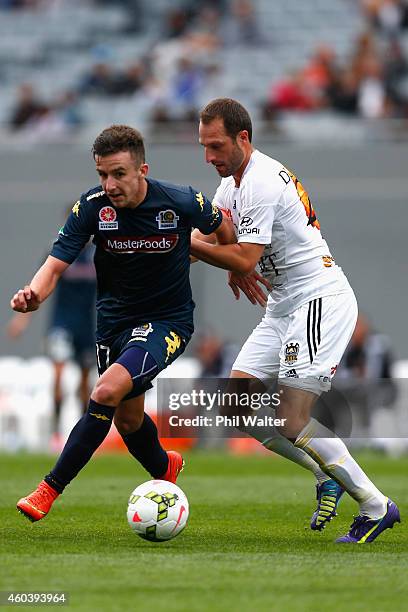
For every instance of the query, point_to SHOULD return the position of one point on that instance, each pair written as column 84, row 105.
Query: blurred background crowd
column 65, row 64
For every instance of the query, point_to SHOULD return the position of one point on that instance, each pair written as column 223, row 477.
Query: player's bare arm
column 224, row 234
column 41, row 286
column 250, row 284
column 240, row 258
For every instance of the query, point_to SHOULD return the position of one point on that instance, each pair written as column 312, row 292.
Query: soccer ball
column 157, row 510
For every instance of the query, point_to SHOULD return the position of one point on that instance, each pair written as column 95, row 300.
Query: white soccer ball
column 157, row 510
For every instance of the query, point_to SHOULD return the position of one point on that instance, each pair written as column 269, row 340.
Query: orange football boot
column 37, row 505
column 176, row 465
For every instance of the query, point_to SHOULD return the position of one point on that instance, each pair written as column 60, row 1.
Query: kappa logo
column 167, row 219
column 200, row 200
column 173, row 344
column 75, row 208
column 291, row 352
column 107, row 218
column 102, row 417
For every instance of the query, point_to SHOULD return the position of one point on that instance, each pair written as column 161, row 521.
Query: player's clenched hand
column 250, row 285
column 25, row 300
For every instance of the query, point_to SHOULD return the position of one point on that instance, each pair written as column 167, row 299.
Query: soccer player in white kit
column 310, row 315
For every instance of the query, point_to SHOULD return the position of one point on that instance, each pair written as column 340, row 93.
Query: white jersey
column 271, row 207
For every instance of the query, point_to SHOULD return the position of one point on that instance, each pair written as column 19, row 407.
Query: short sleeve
column 258, row 213
column 206, row 216
column 75, row 233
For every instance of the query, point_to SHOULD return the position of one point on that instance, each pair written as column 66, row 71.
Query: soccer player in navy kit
column 141, row 230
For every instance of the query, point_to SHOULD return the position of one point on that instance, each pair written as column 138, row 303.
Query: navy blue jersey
column 142, row 254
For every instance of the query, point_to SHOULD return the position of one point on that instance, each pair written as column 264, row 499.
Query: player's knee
column 126, row 424
column 106, row 393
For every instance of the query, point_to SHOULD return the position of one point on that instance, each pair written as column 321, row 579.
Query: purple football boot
column 365, row 530
column 328, row 495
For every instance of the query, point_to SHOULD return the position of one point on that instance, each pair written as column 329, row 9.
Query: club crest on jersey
column 107, row 218
column 167, row 219
column 291, row 352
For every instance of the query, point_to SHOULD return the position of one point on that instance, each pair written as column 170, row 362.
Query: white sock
column 272, row 440
column 332, row 455
column 284, row 447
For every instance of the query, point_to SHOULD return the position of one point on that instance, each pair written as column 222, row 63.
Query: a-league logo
column 291, row 352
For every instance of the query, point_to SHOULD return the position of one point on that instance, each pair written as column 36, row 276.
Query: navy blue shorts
column 161, row 340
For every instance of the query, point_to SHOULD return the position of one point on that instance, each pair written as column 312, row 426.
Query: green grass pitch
column 247, row 544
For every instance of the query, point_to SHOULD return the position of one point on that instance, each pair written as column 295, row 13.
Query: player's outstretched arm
column 240, row 257
column 41, row 286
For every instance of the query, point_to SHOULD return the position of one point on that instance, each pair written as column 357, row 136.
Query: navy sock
column 87, row 435
column 145, row 446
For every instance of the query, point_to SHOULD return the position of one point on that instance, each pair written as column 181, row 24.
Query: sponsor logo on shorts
column 324, row 379
column 167, row 219
column 142, row 330
column 291, row 374
column 141, row 244
column 107, row 218
column 291, row 352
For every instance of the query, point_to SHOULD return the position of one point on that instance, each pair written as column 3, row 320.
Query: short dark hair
column 235, row 117
column 118, row 138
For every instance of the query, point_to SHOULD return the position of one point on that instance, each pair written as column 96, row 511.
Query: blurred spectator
column 186, row 86
column 291, row 93
column 67, row 108
column 387, row 16
column 342, row 93
column 27, row 107
column 365, row 371
column 215, row 355
column 396, row 77
column 130, row 81
column 372, row 100
column 176, row 23
column 242, row 25
column 101, row 80
column 321, row 71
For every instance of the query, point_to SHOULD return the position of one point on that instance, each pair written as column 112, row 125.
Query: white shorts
column 304, row 348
